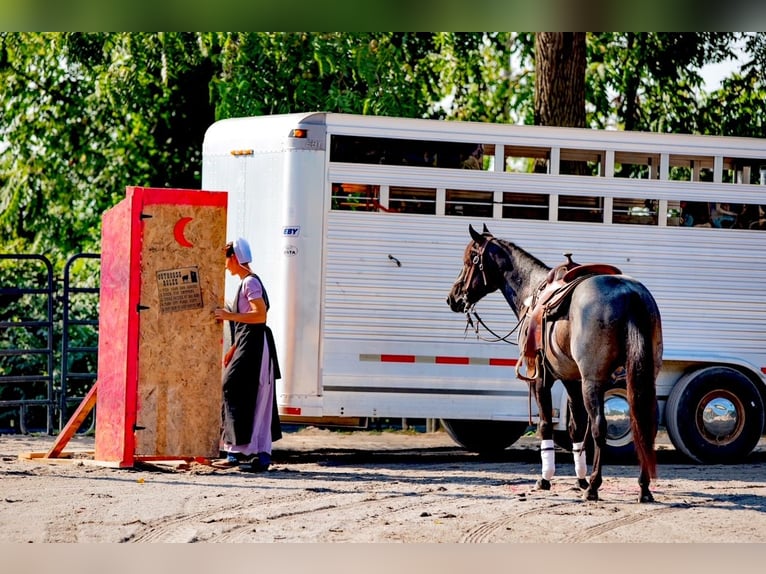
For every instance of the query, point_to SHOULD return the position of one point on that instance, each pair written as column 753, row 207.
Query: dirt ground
column 363, row 486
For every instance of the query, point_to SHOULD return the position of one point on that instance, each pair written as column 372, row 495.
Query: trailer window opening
column 690, row 168
column 636, row 165
column 579, row 208
column 581, row 162
column 417, row 153
column 746, row 171
column 634, row 211
column 355, row 197
column 412, row 200
column 468, row 203
column 527, row 159
column 719, row 214
column 526, row 206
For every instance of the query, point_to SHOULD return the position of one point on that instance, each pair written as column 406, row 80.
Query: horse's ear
column 475, row 235
column 486, row 230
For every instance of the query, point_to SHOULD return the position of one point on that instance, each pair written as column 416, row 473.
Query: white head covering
column 242, row 250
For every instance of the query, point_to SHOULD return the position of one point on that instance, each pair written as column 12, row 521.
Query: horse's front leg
column 545, row 431
column 578, row 427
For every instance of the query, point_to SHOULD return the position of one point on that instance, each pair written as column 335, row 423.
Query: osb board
column 179, row 342
column 118, row 330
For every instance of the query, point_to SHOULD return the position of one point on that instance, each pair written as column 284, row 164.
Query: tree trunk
column 560, row 79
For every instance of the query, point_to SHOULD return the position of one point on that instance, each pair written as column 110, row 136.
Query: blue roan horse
column 608, row 321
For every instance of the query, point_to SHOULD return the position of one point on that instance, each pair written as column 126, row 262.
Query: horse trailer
column 358, row 225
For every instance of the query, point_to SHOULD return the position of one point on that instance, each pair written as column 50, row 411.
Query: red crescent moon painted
column 178, row 232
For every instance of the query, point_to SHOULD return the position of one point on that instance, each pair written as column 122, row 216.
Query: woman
column 250, row 417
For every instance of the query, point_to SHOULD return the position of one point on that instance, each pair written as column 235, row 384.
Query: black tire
column 484, row 437
column 715, row 415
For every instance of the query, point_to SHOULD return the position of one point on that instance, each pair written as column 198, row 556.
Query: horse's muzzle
column 457, row 304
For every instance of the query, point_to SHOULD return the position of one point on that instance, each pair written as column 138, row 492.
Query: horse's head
column 474, row 281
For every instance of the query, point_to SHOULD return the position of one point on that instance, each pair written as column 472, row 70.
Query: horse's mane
column 531, row 263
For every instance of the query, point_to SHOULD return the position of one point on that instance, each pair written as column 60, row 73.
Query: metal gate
column 79, row 333
column 45, row 322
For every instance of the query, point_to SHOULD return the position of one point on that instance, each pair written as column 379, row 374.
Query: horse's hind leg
column 643, row 482
column 578, row 427
column 594, row 404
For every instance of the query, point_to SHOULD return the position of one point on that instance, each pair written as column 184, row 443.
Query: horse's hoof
column 646, row 497
column 543, row 484
column 590, row 496
column 582, row 484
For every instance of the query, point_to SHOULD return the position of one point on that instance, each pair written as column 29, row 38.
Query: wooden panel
column 159, row 344
column 118, row 330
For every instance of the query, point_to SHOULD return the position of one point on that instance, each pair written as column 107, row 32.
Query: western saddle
column 548, row 300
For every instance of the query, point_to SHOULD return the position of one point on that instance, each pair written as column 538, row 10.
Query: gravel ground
column 337, row 487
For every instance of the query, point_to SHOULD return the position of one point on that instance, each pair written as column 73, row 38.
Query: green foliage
column 85, row 115
column 737, row 107
column 650, row 81
column 483, row 77
column 282, row 72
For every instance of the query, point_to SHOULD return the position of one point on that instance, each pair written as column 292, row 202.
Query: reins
column 479, row 321
column 478, row 261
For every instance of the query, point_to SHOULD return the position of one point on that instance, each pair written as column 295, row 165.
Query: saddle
column 548, row 301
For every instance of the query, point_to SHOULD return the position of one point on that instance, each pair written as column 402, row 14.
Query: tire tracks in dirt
column 653, row 512
column 487, row 531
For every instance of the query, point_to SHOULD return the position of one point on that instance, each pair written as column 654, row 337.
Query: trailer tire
column 715, row 415
column 619, row 438
column 484, row 437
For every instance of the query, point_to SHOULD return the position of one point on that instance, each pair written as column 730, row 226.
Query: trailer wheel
column 485, row 437
column 715, row 415
column 619, row 437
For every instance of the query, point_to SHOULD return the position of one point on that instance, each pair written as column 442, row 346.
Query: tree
column 365, row 73
column 650, row 81
column 475, row 79
column 560, row 79
column 84, row 116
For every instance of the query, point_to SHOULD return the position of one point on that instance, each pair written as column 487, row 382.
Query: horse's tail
column 642, row 332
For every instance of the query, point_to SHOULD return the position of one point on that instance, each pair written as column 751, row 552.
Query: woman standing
column 250, row 417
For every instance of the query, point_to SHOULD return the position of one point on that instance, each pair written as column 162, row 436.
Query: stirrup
column 535, row 373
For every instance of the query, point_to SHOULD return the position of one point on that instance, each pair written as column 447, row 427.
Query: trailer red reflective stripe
column 503, row 362
column 397, row 358
column 763, row 370
column 439, row 360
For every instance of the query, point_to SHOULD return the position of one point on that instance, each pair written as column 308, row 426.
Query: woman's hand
column 221, row 314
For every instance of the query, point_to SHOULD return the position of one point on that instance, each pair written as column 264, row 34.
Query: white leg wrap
column 581, row 466
column 547, row 455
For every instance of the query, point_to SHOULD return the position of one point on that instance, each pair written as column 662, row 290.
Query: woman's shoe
column 232, row 459
column 257, row 463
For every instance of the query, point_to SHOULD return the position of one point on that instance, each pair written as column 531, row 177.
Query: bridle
column 477, row 260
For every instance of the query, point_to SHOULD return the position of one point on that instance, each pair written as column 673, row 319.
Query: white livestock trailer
column 358, row 226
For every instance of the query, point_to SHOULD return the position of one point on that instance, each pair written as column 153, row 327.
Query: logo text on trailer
column 291, row 231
